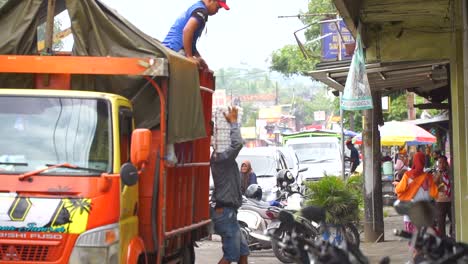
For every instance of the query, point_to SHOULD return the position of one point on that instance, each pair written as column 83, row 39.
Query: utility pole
column 410, row 103
column 276, row 94
column 373, row 204
column 341, row 110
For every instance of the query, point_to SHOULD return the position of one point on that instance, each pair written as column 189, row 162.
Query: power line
column 308, row 15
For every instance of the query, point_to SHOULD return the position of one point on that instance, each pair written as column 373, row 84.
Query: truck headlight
column 97, row 246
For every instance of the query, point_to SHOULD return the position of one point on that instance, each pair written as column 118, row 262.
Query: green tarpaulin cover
column 100, row 31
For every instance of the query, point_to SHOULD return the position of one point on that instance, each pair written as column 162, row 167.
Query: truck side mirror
column 140, row 148
column 129, row 174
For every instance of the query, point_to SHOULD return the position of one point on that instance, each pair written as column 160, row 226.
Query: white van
column 321, row 155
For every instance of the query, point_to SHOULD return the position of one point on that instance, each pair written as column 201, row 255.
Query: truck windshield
column 310, row 152
column 36, row 131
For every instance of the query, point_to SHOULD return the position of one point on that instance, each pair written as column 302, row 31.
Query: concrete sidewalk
column 394, row 247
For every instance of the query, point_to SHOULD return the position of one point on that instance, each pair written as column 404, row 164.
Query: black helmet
column 284, row 177
column 254, row 191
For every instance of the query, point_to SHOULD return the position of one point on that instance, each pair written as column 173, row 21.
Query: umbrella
column 395, row 133
column 350, row 133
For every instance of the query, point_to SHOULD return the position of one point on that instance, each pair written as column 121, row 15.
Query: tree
column 351, row 119
column 290, row 60
column 250, row 115
column 398, row 108
column 304, row 109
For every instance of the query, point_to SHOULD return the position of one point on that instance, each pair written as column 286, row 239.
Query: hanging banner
column 357, row 94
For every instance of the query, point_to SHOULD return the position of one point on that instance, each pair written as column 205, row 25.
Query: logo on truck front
column 49, row 215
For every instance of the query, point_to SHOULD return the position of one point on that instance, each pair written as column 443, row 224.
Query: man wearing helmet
column 227, row 195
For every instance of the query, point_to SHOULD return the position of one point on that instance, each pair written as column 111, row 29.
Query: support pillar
column 459, row 114
column 373, row 205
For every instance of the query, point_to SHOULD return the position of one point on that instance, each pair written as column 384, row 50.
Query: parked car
column 266, row 162
column 321, row 155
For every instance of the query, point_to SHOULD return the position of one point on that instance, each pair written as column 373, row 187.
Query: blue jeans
column 226, row 225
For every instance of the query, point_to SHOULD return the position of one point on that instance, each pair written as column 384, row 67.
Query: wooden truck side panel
column 186, row 211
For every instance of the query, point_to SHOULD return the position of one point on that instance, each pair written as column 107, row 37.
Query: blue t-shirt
column 174, row 38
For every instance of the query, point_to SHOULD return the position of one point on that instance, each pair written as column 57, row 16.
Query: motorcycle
column 301, row 244
column 292, row 200
column 257, row 217
column 428, row 246
column 254, row 217
column 288, row 194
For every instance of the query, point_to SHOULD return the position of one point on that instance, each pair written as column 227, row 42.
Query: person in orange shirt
column 416, row 185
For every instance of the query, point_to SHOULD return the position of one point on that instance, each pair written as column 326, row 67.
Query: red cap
column 223, row 4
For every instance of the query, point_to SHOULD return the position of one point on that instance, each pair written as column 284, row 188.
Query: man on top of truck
column 227, row 196
column 184, row 33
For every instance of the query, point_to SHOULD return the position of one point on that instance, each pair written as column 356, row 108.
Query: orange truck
column 79, row 184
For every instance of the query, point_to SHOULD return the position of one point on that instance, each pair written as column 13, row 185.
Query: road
column 210, row 252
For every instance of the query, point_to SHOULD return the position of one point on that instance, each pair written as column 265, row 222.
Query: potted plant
column 340, row 199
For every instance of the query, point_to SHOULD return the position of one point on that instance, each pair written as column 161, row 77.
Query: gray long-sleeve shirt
column 225, row 171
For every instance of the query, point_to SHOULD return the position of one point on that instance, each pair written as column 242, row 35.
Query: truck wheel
column 188, row 256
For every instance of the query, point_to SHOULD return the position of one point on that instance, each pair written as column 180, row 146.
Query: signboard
column 385, row 104
column 319, row 115
column 331, row 42
column 273, row 112
column 219, row 98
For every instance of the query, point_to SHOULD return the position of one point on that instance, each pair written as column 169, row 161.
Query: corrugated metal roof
column 422, row 77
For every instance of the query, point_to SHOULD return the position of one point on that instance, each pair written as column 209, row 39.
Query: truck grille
column 33, row 253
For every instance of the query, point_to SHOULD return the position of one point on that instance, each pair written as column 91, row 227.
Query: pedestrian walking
column 443, row 201
column 416, row 185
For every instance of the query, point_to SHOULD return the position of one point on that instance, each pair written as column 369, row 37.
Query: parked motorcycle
column 301, row 245
column 254, row 216
column 428, row 246
column 335, row 234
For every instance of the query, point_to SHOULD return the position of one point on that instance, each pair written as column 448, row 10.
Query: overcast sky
column 246, row 34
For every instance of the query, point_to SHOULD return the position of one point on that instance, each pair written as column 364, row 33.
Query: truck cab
column 61, row 152
column 320, row 155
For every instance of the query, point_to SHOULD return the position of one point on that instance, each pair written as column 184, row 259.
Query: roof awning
column 422, row 77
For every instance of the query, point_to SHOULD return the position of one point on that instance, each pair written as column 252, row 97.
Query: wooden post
column 49, row 34
column 49, row 30
column 410, row 103
column 373, row 206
